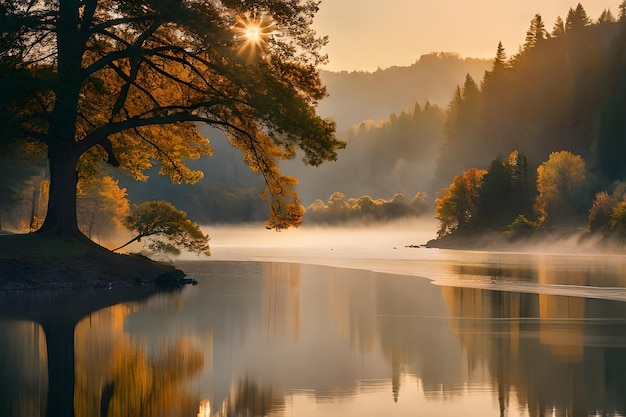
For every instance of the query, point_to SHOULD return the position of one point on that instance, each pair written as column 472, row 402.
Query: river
column 348, row 322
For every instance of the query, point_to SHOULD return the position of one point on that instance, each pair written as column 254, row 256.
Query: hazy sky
column 366, row 34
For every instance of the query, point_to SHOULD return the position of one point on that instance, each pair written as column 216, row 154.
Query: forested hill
column 357, row 96
column 564, row 90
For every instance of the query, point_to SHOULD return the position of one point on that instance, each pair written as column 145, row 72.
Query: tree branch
column 126, row 78
column 99, row 135
column 135, row 239
column 99, row 28
column 88, row 13
column 108, row 148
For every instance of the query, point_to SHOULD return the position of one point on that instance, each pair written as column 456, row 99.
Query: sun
column 253, row 33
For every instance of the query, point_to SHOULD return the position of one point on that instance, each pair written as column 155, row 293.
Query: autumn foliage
column 128, row 82
column 501, row 198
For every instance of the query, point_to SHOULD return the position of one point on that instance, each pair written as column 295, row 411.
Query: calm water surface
column 493, row 335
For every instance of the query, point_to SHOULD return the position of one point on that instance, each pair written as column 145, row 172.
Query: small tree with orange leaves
column 457, row 205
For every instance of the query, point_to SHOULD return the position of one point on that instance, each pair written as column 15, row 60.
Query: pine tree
column 536, row 34
column 577, row 18
column 499, row 63
column 622, row 11
column 471, row 92
column 606, row 17
column 559, row 27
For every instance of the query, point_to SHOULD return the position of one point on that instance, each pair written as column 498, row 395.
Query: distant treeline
column 339, row 209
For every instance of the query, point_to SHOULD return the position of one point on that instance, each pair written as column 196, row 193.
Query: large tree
column 127, row 82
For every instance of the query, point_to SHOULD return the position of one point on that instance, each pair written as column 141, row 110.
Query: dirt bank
column 33, row 261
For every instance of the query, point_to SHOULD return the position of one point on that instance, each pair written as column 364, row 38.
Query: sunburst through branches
column 252, row 32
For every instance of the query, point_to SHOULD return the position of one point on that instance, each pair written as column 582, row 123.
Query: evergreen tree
column 506, row 192
column 462, row 147
column 499, row 63
column 496, row 91
column 559, row 27
column 536, row 34
column 610, row 144
column 622, row 11
column 606, row 17
column 577, row 18
column 471, row 94
column 494, row 192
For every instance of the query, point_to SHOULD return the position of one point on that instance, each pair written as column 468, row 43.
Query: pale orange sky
column 366, row 34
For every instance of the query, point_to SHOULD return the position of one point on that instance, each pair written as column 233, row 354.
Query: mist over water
column 559, row 266
column 248, row 242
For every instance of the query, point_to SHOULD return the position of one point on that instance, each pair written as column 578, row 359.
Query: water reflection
column 274, row 339
column 557, row 355
column 54, row 315
column 119, row 376
column 23, row 380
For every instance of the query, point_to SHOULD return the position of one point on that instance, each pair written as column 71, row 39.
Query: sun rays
column 252, row 34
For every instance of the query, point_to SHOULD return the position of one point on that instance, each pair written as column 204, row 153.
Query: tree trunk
column 62, row 146
column 61, row 368
column 61, row 216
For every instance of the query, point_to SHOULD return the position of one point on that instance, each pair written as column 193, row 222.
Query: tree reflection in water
column 551, row 352
column 23, row 389
column 91, row 370
column 251, row 399
column 119, row 376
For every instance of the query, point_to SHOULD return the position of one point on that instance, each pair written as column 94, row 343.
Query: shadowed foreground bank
column 34, row 261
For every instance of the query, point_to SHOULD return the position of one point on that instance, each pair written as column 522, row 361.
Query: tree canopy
column 456, row 205
column 127, row 82
column 560, row 177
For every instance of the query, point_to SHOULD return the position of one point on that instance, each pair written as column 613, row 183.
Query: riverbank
column 561, row 240
column 33, row 261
